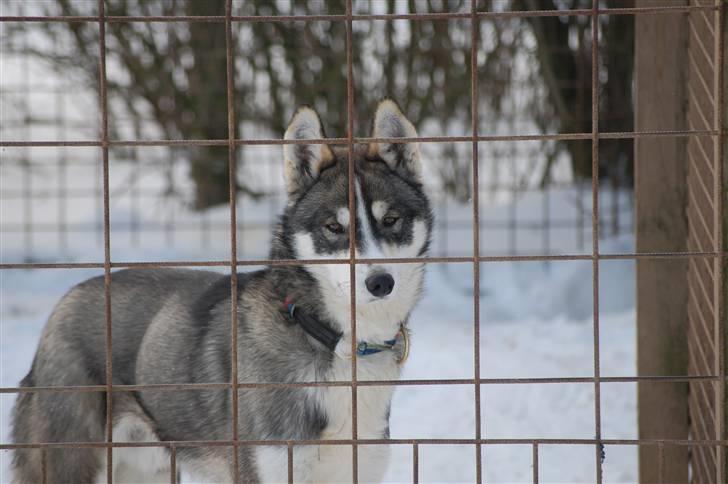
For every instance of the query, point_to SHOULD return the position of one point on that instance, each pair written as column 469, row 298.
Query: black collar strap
column 329, row 337
column 319, row 331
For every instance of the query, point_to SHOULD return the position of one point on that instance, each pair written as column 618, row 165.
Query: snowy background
column 535, row 321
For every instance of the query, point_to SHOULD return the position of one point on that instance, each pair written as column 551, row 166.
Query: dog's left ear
column 390, row 122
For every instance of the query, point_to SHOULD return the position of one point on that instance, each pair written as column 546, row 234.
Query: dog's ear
column 304, row 162
column 390, row 122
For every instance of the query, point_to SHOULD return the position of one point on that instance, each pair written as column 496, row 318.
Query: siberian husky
column 173, row 326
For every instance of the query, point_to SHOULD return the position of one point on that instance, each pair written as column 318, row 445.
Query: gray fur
column 173, row 326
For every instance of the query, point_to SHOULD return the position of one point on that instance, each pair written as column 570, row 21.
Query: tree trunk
column 567, row 75
column 617, row 106
column 208, row 83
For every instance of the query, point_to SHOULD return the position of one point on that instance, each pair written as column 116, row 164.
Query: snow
column 523, row 334
column 535, row 321
column 536, row 318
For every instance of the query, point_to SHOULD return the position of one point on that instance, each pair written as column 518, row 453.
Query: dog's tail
column 47, row 416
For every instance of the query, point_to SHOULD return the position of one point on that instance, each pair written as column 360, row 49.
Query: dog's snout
column 380, row 285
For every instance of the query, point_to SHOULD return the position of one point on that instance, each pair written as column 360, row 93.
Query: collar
column 329, row 337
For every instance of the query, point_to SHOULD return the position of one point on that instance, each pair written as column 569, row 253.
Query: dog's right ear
column 304, row 162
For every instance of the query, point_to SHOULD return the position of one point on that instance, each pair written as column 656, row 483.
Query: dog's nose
column 380, row 284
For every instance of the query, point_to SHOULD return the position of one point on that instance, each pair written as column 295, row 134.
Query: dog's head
column 392, row 216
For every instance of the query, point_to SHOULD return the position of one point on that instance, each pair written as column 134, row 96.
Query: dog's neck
column 372, row 323
column 324, row 333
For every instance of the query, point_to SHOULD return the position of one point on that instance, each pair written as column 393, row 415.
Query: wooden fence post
column 661, row 226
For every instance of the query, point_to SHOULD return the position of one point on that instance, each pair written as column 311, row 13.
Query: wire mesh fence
column 597, row 211
column 706, row 311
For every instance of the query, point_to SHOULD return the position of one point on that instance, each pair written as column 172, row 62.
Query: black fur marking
column 214, row 295
column 203, row 308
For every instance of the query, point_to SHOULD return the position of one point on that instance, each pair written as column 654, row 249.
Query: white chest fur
column 333, row 463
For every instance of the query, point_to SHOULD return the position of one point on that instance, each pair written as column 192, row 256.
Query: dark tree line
column 173, row 75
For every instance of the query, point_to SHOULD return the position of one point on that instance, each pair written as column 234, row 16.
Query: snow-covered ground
column 535, row 317
column 522, row 335
column 535, row 321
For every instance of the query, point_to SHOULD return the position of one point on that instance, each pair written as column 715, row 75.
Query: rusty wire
column 103, row 102
column 343, row 383
column 352, row 234
column 415, row 463
column 474, row 119
column 229, row 63
column 357, row 442
column 595, row 234
column 718, row 264
column 715, row 257
column 399, row 260
column 356, row 140
column 350, row 17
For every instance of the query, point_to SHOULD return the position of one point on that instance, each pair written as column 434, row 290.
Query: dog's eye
column 335, row 228
column 389, row 220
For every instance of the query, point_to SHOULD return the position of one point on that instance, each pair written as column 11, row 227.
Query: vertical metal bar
column 28, row 171
column 719, row 283
column 352, row 230
column 205, row 230
column 444, row 231
column 28, row 205
column 98, row 197
column 239, row 200
column 173, row 464
column 270, row 192
column 580, row 222
column 546, row 214
column 513, row 207
column 61, row 192
column 169, row 222
column 233, row 238
column 631, row 199
column 534, row 460
column 660, row 463
column 580, row 214
column 595, row 233
column 171, row 152
column 290, row 463
column 474, row 36
column 135, row 202
column 614, row 178
column 415, row 463
column 60, row 98
column 103, row 101
column 134, row 196
column 44, row 466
